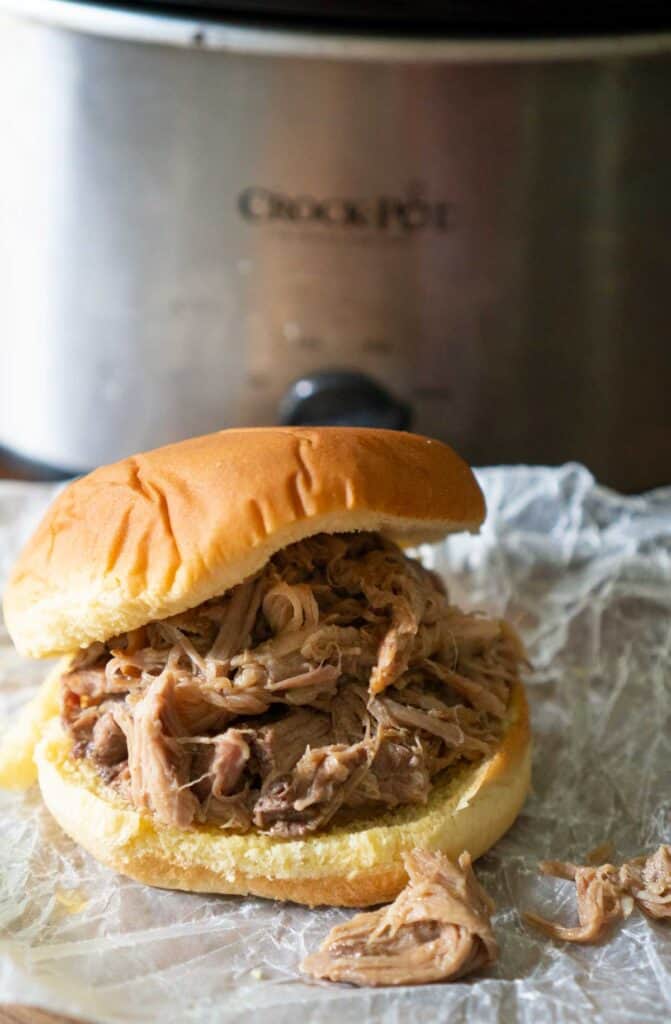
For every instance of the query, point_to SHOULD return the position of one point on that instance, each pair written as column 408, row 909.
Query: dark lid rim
column 294, row 39
column 476, row 16
column 479, row 18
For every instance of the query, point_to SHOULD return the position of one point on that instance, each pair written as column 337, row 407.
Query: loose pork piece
column 607, row 894
column 437, row 929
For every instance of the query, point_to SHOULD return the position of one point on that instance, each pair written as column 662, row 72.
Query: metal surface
column 186, row 231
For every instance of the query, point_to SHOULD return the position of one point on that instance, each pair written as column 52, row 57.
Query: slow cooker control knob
column 342, row 398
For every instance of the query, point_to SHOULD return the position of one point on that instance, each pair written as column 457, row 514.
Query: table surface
column 28, row 1015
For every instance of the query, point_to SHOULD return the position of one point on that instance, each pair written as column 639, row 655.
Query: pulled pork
column 437, row 929
column 607, row 894
column 339, row 678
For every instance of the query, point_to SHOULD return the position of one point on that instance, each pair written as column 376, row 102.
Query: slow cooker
column 452, row 216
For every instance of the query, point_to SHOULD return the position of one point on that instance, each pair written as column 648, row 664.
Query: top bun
column 159, row 533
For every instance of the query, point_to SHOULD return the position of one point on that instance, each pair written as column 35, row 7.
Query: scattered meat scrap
column 607, row 894
column 649, row 881
column 437, row 929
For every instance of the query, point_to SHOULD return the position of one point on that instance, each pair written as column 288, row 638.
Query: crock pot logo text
column 393, row 214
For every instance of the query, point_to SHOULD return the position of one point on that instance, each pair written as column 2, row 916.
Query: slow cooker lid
column 483, row 17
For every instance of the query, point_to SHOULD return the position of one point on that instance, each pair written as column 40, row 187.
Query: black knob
column 342, row 398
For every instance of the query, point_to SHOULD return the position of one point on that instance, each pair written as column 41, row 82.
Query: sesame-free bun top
column 161, row 532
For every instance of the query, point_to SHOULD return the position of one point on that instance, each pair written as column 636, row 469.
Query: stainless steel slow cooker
column 208, row 221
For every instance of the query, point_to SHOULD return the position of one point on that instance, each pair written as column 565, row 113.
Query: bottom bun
column 354, row 864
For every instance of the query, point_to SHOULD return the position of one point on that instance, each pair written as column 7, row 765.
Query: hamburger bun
column 159, row 533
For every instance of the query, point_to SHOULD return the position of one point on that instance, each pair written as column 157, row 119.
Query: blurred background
column 452, row 217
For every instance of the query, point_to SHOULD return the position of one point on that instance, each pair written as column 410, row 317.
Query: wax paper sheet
column 586, row 575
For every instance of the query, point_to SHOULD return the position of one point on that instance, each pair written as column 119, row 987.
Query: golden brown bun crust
column 159, row 533
column 345, row 866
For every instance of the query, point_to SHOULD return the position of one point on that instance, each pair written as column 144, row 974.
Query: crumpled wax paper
column 586, row 576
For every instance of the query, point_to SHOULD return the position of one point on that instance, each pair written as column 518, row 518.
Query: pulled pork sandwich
column 260, row 692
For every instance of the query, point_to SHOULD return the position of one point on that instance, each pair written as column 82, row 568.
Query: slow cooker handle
column 342, row 398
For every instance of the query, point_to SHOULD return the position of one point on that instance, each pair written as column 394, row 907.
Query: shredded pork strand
column 606, row 894
column 158, row 764
column 437, row 929
column 339, row 678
